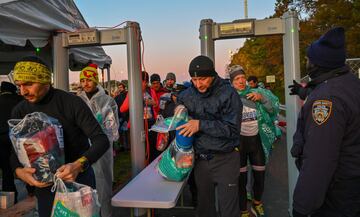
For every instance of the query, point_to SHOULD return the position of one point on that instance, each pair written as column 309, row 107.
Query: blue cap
column 329, row 51
column 183, row 141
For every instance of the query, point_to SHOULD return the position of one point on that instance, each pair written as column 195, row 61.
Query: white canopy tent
column 29, row 24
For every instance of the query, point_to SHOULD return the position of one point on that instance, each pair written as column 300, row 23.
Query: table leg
column 182, row 199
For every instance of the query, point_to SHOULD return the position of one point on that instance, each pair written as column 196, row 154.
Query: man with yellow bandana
column 33, row 79
column 105, row 109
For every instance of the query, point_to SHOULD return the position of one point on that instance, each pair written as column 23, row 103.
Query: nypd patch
column 321, row 111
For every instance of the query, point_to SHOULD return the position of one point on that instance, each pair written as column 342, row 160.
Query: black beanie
column 8, row 87
column 202, row 66
column 155, row 77
column 329, row 51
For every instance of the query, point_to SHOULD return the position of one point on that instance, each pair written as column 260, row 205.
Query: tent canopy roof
column 29, row 24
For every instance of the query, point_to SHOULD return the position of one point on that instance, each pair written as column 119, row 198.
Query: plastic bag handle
column 175, row 114
column 58, row 183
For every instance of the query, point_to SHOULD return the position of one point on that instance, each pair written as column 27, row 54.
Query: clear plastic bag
column 38, row 142
column 178, row 159
column 105, row 111
column 164, row 125
column 74, row 200
column 184, row 158
column 167, row 168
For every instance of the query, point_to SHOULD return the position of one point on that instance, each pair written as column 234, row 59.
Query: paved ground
column 275, row 196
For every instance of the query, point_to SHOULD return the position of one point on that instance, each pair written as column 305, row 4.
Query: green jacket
column 267, row 111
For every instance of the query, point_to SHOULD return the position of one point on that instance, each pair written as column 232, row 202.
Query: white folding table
column 149, row 190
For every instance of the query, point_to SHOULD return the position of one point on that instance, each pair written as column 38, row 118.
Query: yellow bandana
column 32, row 72
column 90, row 72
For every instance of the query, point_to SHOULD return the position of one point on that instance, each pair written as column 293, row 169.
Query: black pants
column 192, row 187
column 153, row 152
column 221, row 171
column 7, row 175
column 124, row 139
column 45, row 197
column 251, row 149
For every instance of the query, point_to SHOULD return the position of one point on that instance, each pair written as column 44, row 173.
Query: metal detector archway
column 288, row 27
column 131, row 36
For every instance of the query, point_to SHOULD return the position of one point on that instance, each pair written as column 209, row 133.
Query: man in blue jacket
column 215, row 109
column 327, row 139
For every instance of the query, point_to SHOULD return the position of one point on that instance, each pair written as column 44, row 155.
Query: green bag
column 61, row 211
column 267, row 128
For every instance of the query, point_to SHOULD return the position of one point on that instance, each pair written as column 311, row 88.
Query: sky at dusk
column 170, row 30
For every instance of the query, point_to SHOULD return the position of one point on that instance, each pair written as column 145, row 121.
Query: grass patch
column 122, row 168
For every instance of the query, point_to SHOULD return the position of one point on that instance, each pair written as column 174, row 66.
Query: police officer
column 327, row 139
column 215, row 109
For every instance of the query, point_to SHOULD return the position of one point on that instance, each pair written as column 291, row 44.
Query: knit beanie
column 155, row 77
column 90, row 72
column 234, row 71
column 170, row 76
column 202, row 66
column 329, row 50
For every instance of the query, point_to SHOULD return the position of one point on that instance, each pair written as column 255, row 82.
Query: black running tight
column 251, row 149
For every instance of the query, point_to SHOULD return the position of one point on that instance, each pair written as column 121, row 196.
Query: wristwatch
column 84, row 163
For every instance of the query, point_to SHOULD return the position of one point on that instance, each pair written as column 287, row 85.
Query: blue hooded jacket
column 219, row 110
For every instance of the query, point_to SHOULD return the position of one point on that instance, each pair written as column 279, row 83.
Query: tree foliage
column 264, row 55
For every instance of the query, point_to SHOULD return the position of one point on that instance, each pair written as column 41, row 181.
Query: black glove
column 297, row 89
column 296, row 214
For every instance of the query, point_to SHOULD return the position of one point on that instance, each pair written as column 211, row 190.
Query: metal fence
column 354, row 65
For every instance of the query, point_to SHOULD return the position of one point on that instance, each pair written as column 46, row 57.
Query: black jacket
column 219, row 111
column 168, row 111
column 77, row 120
column 7, row 102
column 328, row 141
